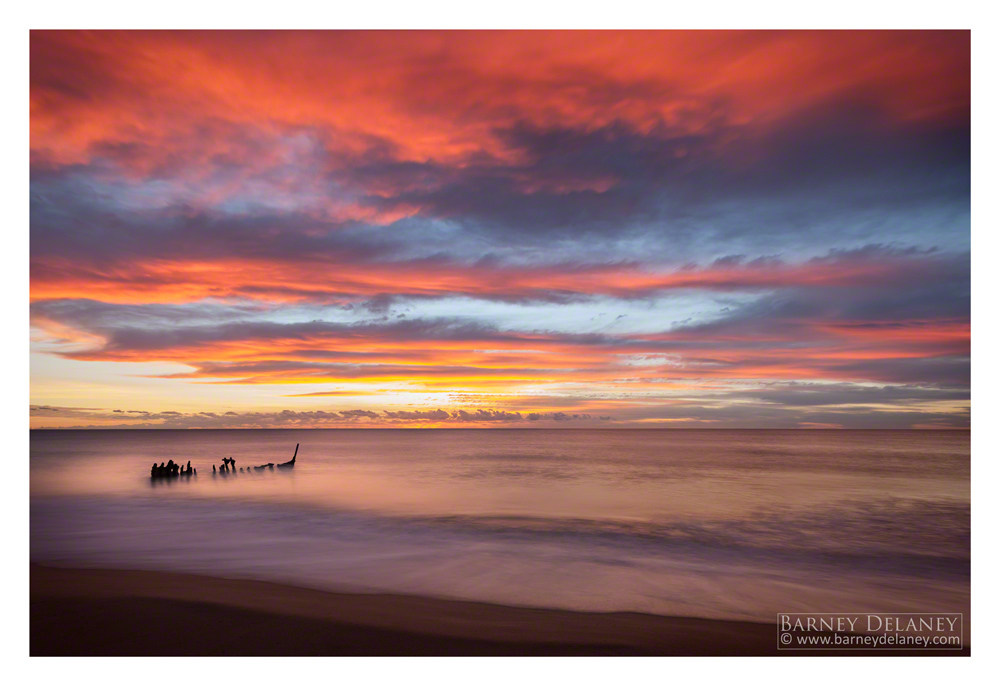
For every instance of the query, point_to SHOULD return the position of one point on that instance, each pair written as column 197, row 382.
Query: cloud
column 436, row 415
column 277, row 202
column 876, row 313
column 788, row 210
column 350, row 414
column 718, row 412
column 805, row 394
column 486, row 416
column 98, row 418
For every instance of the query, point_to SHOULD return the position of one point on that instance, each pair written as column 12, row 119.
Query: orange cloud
column 441, row 94
column 282, row 169
column 162, row 281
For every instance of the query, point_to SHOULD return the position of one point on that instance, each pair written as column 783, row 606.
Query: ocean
column 703, row 523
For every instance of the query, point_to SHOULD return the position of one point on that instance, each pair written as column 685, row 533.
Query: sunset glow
column 500, row 229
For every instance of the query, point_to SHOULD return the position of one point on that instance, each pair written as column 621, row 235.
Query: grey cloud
column 437, row 415
column 285, row 418
column 486, row 416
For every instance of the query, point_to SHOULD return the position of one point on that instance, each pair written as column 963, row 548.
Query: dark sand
column 113, row 613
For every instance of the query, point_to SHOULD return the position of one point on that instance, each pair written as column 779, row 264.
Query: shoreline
column 130, row 612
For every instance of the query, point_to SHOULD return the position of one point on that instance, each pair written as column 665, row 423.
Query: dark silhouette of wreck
column 172, row 470
column 291, row 462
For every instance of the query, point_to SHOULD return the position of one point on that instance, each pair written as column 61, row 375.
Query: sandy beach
column 117, row 613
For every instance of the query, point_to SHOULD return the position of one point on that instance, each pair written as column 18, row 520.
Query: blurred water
column 722, row 524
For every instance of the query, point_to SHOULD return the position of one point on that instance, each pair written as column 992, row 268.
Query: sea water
column 704, row 523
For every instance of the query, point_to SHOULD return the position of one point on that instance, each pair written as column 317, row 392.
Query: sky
column 500, row 229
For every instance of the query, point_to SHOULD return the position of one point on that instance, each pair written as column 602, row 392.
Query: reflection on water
column 706, row 523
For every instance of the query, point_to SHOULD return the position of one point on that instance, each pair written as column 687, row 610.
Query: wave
column 709, row 569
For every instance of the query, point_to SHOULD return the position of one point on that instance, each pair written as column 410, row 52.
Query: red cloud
column 442, row 95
